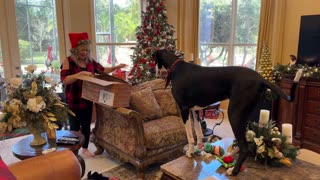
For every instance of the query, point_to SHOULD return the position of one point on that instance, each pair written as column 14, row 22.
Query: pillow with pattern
column 144, row 102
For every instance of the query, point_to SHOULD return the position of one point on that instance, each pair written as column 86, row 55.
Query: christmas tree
column 265, row 65
column 155, row 33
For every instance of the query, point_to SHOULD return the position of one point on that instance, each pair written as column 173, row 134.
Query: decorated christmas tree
column 155, row 33
column 265, row 65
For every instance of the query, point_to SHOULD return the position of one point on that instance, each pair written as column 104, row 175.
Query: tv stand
column 303, row 112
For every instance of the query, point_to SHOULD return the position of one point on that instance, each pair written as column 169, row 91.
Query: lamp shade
column 76, row 37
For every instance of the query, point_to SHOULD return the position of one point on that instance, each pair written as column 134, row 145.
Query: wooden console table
column 303, row 112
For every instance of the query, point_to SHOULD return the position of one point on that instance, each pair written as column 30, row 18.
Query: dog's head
column 157, row 58
column 160, row 56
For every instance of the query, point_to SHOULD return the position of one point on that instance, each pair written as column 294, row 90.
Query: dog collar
column 169, row 72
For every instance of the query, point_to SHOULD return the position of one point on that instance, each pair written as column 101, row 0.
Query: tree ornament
column 265, row 65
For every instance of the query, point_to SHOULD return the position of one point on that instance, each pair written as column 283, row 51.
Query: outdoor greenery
column 216, row 31
column 117, row 20
column 125, row 17
column 36, row 23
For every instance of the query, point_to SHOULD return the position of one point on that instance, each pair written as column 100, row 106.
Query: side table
column 22, row 149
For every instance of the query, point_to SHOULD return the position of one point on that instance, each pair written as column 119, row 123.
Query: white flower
column 250, row 135
column 277, row 153
column 31, row 68
column 261, row 149
column 48, row 79
column 260, row 144
column 277, row 141
column 259, row 141
column 15, row 82
column 36, row 104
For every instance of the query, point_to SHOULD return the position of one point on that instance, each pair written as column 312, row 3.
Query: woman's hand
column 87, row 73
column 120, row 66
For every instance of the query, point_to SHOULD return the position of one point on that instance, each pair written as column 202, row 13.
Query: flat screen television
column 309, row 40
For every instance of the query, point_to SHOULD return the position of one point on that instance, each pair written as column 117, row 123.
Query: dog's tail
column 278, row 90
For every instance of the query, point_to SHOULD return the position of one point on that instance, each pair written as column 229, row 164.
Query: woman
column 80, row 63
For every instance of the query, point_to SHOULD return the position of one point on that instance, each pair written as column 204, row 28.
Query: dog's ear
column 157, row 58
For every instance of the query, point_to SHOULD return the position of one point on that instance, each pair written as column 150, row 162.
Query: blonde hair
column 74, row 51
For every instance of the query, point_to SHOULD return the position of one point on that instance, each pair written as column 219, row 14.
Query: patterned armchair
column 149, row 131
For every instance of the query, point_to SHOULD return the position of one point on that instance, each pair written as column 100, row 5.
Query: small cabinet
column 303, row 112
column 309, row 113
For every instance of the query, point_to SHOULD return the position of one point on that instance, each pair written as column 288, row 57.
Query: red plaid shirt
column 73, row 91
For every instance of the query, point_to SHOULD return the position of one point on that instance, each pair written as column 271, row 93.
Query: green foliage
column 215, row 29
column 125, row 18
column 280, row 71
column 24, row 47
column 55, row 64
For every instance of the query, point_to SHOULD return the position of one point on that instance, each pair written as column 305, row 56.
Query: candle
column 287, row 131
column 264, row 117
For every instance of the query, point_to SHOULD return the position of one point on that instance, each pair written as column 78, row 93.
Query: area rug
column 15, row 133
column 127, row 171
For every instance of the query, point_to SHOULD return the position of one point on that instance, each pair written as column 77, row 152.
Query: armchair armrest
column 120, row 128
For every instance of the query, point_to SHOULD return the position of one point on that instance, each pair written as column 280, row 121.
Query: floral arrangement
column 291, row 69
column 269, row 145
column 32, row 103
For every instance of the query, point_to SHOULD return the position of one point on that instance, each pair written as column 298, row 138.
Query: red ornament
column 143, row 61
column 152, row 65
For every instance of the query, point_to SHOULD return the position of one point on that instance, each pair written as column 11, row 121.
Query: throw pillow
column 154, row 84
column 166, row 102
column 145, row 104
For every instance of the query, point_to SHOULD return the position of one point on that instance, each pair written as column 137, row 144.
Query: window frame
column 231, row 45
column 9, row 37
column 94, row 42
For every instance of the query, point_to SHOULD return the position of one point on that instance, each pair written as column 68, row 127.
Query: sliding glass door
column 37, row 35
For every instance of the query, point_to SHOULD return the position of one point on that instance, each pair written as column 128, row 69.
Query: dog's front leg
column 188, row 127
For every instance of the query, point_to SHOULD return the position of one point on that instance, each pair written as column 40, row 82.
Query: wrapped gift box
column 106, row 89
column 120, row 74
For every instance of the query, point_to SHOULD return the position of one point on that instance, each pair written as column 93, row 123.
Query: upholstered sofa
column 54, row 166
column 149, row 131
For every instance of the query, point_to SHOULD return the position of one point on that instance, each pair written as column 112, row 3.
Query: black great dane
column 195, row 87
